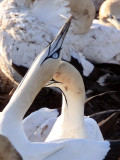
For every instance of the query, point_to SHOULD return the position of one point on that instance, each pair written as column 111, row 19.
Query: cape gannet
column 109, row 13
column 42, row 70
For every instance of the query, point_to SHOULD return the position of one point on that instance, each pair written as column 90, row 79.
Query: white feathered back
column 53, row 13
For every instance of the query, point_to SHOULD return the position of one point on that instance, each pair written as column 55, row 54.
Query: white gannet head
column 7, row 150
column 50, row 58
column 109, row 13
column 83, row 13
column 68, row 79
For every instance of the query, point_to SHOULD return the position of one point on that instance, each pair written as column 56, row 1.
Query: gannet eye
column 55, row 55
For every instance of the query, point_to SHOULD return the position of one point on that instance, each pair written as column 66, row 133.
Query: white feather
column 36, row 120
column 51, row 13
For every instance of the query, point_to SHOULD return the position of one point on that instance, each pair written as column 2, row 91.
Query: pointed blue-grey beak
column 55, row 47
column 115, row 21
column 57, row 43
column 51, row 83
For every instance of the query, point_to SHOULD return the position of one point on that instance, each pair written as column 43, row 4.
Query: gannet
column 109, row 13
column 11, row 117
column 41, row 71
column 71, row 123
column 7, row 150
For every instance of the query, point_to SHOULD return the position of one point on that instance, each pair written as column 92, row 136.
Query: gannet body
column 109, row 13
column 41, row 71
column 38, row 124
column 98, row 45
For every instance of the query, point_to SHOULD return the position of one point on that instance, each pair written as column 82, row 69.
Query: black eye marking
column 57, row 44
column 46, row 57
column 52, row 81
column 110, row 16
column 55, row 54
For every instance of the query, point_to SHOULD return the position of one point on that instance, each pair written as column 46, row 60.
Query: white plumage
column 41, row 122
column 51, row 13
column 101, row 44
column 87, row 149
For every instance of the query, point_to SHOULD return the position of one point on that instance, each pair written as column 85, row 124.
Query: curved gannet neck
column 27, row 91
column 73, row 105
column 72, row 86
column 38, row 75
column 109, row 13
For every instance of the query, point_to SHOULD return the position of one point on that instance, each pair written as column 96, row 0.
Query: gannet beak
column 118, row 20
column 57, row 43
column 51, row 83
column 53, row 50
column 115, row 21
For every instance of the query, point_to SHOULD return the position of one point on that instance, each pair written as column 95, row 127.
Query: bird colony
column 60, row 79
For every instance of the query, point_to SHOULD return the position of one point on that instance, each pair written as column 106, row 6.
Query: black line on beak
column 52, row 81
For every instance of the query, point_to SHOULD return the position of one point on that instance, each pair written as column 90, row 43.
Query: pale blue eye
column 55, row 55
